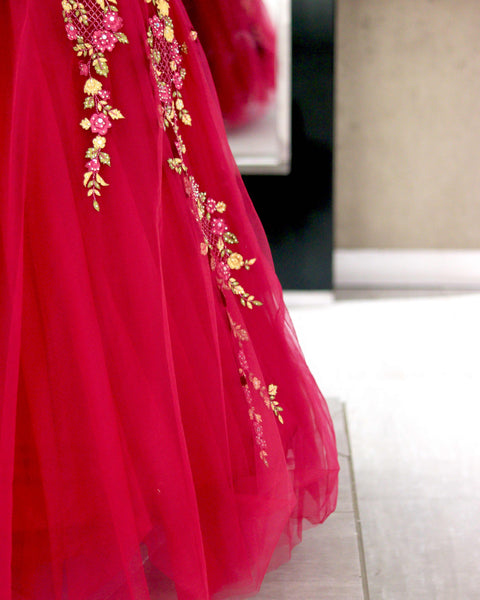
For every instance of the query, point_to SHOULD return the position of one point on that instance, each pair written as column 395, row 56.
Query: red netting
column 130, row 465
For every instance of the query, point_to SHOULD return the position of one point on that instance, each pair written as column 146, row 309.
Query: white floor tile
column 326, row 565
column 408, row 372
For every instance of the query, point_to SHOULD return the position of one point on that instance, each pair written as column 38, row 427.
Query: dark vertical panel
column 296, row 209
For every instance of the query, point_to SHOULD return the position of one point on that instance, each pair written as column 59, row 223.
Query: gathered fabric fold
column 161, row 435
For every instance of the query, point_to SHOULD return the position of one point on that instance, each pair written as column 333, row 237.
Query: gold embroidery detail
column 238, row 331
column 267, row 394
column 94, row 26
column 235, row 261
column 270, row 402
column 92, row 87
column 169, row 75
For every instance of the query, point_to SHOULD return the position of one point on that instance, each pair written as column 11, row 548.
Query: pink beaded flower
column 112, row 21
column 93, row 165
column 219, row 226
column 156, row 26
column 104, row 94
column 177, row 80
column 72, row 31
column 100, row 123
column 211, row 205
column 104, row 40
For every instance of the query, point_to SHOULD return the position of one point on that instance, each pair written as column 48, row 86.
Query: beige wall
column 407, row 132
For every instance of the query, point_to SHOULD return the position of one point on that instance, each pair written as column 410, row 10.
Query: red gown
column 160, row 433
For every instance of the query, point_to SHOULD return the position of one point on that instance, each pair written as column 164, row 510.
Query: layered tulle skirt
column 160, row 433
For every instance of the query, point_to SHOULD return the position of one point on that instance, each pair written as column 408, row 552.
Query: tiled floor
column 408, row 371
column 327, row 565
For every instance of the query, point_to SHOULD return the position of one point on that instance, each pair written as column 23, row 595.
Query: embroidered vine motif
column 94, row 26
column 169, row 74
column 250, row 381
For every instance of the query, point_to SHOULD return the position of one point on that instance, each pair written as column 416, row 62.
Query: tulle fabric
column 129, row 467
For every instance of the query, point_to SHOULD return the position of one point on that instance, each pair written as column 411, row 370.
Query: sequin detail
column 94, row 26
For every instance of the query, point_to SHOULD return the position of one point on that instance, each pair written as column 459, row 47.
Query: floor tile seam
column 358, row 524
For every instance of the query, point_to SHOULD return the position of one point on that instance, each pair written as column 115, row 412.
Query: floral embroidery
column 95, row 27
column 248, row 381
column 169, row 74
column 238, row 331
column 104, row 40
column 268, row 395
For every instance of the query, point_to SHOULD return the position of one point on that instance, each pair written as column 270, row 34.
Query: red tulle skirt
column 160, row 433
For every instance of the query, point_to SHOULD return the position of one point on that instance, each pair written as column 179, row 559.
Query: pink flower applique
column 177, row 80
column 104, row 40
column 72, row 31
column 112, row 21
column 223, row 271
column 156, row 26
column 93, row 165
column 219, row 226
column 100, row 123
column 211, row 205
column 104, row 94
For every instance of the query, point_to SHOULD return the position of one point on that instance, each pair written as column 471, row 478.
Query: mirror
column 262, row 146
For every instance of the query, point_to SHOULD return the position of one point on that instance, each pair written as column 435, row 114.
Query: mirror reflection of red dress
column 160, row 433
column 239, row 44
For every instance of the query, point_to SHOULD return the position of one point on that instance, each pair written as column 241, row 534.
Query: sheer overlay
column 160, row 433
